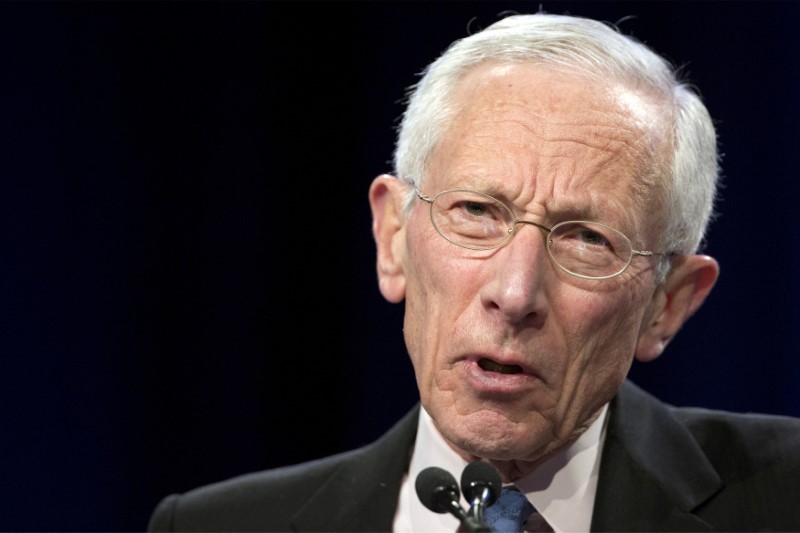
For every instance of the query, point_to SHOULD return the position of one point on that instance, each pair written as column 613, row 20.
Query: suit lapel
column 652, row 473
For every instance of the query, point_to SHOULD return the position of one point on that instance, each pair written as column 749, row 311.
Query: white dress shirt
column 562, row 488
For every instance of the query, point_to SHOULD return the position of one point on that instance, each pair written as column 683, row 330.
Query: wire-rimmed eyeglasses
column 477, row 221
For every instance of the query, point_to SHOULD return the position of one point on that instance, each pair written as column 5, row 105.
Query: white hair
column 686, row 176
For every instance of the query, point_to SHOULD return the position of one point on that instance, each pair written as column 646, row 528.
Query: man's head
column 559, row 119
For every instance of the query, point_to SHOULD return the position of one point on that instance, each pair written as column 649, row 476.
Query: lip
column 485, row 380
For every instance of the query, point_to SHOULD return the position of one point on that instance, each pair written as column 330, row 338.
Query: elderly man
column 553, row 182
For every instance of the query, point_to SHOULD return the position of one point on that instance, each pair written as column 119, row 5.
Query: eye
column 475, row 208
column 589, row 236
column 583, row 236
column 470, row 209
column 471, row 219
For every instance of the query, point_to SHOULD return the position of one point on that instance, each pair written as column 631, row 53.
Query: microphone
column 481, row 485
column 438, row 491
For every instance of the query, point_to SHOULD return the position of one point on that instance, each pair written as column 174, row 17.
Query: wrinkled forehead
column 555, row 140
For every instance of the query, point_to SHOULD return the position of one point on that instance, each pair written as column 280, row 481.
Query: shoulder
column 737, row 445
column 697, row 466
column 271, row 500
column 757, row 457
column 247, row 502
column 731, row 432
column 767, row 440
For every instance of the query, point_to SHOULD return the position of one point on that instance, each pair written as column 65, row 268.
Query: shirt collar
column 562, row 488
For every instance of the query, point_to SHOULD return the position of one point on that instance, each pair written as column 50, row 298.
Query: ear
column 386, row 197
column 675, row 300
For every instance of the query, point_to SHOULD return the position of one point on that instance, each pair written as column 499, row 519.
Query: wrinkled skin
column 556, row 148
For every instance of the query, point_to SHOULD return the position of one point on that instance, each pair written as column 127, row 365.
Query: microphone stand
column 479, row 503
column 470, row 524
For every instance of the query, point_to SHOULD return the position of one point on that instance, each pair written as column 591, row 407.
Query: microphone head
column 437, row 489
column 478, row 476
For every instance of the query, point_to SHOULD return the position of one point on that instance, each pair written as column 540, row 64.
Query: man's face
column 554, row 148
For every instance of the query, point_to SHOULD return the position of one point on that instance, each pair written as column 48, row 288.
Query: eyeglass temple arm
column 648, row 253
column 423, row 197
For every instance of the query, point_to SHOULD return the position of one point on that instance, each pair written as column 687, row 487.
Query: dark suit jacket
column 663, row 469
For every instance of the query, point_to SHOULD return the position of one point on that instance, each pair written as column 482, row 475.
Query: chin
column 493, row 436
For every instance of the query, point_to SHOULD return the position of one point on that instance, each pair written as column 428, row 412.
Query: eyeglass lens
column 478, row 221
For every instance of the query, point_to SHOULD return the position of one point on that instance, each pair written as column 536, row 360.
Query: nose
column 517, row 275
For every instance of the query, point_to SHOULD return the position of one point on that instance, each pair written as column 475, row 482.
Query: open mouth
column 493, row 366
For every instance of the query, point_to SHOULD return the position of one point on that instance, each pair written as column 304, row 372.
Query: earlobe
column 683, row 292
column 386, row 201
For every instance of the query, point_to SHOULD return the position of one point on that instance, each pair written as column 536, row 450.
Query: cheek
column 599, row 335
column 615, row 319
column 436, row 276
column 604, row 343
column 429, row 283
column 440, row 287
column 606, row 312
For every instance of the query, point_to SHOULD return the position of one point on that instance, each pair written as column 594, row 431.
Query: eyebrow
column 558, row 213
column 589, row 213
column 569, row 210
column 552, row 215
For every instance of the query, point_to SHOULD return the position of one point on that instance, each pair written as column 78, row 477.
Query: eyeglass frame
column 512, row 232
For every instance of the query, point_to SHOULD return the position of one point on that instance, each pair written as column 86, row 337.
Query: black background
column 188, row 281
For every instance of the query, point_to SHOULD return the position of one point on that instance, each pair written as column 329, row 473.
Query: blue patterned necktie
column 509, row 513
